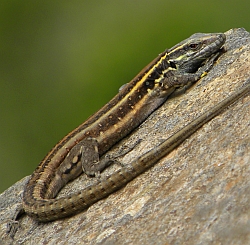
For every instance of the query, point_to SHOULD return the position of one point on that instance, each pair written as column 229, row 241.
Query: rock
column 198, row 194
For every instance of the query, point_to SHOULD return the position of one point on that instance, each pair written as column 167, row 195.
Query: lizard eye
column 172, row 64
column 194, row 46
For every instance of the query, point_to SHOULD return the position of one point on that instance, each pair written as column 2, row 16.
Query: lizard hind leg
column 13, row 224
column 91, row 164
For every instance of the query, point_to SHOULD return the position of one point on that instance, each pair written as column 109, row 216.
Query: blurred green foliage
column 62, row 60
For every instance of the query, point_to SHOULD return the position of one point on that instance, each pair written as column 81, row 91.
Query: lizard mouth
column 221, row 51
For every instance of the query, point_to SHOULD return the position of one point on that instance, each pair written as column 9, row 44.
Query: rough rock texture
column 198, row 194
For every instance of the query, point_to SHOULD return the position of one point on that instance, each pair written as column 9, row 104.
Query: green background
column 60, row 61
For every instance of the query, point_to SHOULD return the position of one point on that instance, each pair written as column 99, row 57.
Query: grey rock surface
column 198, row 194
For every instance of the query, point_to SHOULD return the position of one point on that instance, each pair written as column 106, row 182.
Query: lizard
column 80, row 150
